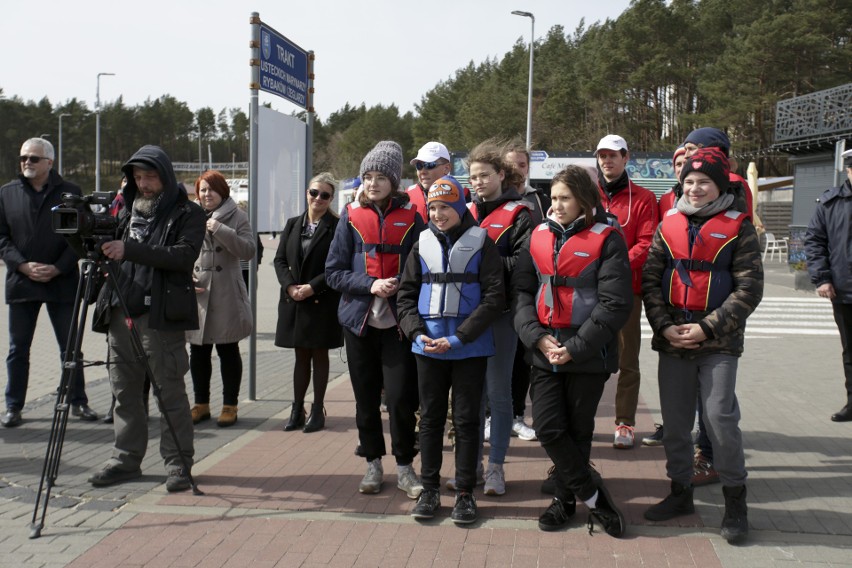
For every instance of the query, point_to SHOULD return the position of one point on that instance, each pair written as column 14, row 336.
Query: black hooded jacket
column 156, row 274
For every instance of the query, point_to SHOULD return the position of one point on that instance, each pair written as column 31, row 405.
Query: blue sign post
column 283, row 67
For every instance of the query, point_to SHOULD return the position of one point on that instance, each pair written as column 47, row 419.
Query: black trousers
column 843, row 317
column 563, row 408
column 382, row 358
column 520, row 381
column 466, row 378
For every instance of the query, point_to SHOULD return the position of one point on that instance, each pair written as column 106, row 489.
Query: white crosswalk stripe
column 778, row 316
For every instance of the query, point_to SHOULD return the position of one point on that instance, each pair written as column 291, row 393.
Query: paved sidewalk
column 274, row 498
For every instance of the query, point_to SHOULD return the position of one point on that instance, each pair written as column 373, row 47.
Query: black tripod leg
column 142, row 358
column 72, row 364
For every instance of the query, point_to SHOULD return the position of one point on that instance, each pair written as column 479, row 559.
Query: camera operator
column 158, row 240
column 40, row 269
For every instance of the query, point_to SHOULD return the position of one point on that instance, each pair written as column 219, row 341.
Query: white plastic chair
column 773, row 246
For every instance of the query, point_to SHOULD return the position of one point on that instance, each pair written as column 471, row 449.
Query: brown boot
column 200, row 412
column 228, row 416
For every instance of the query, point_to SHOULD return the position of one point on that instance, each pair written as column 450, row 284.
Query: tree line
column 651, row 75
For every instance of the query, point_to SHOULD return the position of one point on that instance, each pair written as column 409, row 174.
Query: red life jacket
column 416, row 198
column 378, row 243
column 498, row 223
column 667, row 201
column 699, row 279
column 568, row 290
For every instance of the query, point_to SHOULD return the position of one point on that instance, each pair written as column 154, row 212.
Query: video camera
column 75, row 215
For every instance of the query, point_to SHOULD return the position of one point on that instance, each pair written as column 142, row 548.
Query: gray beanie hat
column 385, row 157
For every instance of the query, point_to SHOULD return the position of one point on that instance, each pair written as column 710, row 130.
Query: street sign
column 538, row 156
column 283, row 67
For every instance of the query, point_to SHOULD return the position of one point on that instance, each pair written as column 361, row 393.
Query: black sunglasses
column 427, row 165
column 316, row 193
column 32, row 159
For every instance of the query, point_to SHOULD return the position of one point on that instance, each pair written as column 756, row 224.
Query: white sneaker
column 407, row 481
column 495, row 479
column 480, row 478
column 487, row 428
column 521, row 430
column 372, row 481
column 623, row 437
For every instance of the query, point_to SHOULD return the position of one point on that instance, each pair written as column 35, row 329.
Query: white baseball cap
column 431, row 152
column 612, row 142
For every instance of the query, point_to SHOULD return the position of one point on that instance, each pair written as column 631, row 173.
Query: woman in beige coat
column 224, row 314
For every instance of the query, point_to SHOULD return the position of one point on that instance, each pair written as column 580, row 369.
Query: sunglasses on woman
column 316, row 193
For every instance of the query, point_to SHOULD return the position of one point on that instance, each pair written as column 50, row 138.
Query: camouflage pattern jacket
column 723, row 326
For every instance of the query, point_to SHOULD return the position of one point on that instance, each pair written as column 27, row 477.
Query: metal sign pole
column 309, row 133
column 254, row 86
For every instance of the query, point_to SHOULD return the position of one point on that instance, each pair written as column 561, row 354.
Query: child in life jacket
column 451, row 292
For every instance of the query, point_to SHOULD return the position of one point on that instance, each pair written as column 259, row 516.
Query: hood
column 156, row 157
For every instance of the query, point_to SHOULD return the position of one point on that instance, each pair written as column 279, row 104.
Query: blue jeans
column 23, row 317
column 498, row 390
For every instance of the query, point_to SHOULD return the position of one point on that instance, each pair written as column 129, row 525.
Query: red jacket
column 636, row 209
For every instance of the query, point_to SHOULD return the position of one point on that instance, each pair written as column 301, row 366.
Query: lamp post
column 59, row 169
column 98, row 133
column 530, row 91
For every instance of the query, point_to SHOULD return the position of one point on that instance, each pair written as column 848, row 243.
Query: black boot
column 735, row 521
column 316, row 421
column 679, row 502
column 297, row 417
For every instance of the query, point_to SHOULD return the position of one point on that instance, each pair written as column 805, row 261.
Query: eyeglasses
column 32, row 159
column 316, row 193
column 481, row 177
column 427, row 165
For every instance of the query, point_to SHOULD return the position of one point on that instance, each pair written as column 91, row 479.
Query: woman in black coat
column 307, row 308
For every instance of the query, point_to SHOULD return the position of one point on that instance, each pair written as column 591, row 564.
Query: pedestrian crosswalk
column 781, row 316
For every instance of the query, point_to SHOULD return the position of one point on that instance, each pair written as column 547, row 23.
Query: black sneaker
column 464, row 511
column 607, row 514
column 427, row 504
column 677, row 503
column 177, row 480
column 655, row 439
column 557, row 514
column 112, row 475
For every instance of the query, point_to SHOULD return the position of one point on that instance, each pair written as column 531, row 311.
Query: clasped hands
column 685, row 336
column 553, row 350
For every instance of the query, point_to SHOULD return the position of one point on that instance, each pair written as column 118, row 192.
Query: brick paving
column 275, row 498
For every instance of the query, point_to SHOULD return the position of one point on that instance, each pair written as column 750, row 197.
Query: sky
column 367, row 51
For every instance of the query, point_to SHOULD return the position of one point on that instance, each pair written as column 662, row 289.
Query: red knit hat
column 712, row 162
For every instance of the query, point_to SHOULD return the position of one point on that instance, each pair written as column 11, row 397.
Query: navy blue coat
column 828, row 242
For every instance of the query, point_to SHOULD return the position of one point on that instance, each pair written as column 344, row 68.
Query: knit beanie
column 680, row 151
column 713, row 163
column 709, row 137
column 448, row 190
column 385, row 157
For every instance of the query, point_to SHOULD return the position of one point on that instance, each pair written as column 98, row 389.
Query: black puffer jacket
column 26, row 235
column 594, row 345
column 161, row 266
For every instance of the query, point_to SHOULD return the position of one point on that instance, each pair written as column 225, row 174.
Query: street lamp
column 59, row 169
column 98, row 133
column 529, row 92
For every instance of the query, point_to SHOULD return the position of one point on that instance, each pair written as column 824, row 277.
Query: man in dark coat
column 828, row 246
column 40, row 269
column 158, row 240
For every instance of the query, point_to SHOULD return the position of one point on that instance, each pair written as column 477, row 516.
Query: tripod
column 93, row 264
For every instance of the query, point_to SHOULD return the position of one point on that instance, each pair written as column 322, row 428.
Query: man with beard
column 157, row 242
column 40, row 269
